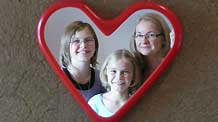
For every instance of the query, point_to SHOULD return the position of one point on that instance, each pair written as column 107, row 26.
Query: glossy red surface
column 107, row 27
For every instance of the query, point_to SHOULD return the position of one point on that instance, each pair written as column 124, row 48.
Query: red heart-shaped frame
column 107, row 27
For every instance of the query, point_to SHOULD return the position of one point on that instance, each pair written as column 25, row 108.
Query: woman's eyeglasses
column 149, row 36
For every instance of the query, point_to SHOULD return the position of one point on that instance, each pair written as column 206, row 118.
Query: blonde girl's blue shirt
column 98, row 106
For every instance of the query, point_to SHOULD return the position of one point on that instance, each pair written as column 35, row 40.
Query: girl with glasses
column 78, row 58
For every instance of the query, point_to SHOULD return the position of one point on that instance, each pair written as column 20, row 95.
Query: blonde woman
column 151, row 42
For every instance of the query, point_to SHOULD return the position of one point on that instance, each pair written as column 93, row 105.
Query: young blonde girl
column 118, row 74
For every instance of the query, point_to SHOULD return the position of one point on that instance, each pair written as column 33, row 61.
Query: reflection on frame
column 85, row 53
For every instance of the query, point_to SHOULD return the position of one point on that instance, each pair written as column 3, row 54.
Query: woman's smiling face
column 146, row 38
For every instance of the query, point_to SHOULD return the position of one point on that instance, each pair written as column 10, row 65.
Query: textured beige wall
column 186, row 92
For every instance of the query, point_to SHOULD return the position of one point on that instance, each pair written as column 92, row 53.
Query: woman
column 150, row 43
column 78, row 58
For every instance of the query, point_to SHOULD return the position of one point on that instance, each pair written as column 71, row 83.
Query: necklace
column 84, row 86
column 78, row 85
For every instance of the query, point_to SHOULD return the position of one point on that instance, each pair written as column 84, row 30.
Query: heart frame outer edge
column 107, row 27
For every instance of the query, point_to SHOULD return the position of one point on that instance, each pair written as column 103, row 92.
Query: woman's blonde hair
column 70, row 31
column 157, row 20
column 116, row 55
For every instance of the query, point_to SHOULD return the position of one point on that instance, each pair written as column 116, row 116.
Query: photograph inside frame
column 123, row 41
column 119, row 39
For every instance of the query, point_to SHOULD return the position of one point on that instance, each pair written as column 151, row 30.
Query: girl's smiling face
column 119, row 74
column 82, row 45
